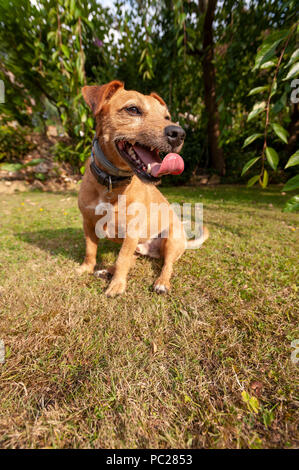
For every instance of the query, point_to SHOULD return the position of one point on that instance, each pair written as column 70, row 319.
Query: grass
column 207, row 366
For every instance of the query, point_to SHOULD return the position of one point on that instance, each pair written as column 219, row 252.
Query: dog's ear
column 97, row 96
column 157, row 97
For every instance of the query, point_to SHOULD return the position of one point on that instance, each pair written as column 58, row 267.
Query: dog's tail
column 197, row 242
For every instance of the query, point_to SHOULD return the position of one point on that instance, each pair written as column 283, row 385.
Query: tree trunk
column 209, row 78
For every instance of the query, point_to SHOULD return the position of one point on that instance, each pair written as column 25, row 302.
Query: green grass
column 142, row 370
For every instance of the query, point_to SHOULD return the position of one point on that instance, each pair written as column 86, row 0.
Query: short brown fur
column 107, row 103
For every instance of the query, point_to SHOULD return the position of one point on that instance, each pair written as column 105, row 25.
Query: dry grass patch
column 141, row 370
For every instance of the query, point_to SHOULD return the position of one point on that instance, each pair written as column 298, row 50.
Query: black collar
column 114, row 176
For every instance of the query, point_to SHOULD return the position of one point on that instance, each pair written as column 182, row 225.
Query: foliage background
column 49, row 49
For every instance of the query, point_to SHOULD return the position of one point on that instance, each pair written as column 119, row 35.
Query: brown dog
column 131, row 130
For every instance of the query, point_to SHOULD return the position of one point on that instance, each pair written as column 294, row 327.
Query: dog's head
column 134, row 129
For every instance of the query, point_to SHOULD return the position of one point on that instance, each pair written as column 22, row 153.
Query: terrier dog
column 132, row 130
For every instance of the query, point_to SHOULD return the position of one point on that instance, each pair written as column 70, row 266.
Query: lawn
column 207, row 366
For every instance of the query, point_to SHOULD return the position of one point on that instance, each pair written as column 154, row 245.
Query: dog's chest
column 112, row 223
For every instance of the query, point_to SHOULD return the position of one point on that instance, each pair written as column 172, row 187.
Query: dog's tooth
column 149, row 169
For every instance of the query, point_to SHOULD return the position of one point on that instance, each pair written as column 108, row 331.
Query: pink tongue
column 172, row 164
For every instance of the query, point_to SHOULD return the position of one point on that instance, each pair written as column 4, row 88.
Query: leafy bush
column 286, row 68
column 76, row 155
column 14, row 143
column 49, row 49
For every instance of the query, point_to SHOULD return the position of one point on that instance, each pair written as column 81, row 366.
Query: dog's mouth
column 146, row 162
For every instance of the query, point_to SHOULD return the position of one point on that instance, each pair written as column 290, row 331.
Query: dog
column 132, row 129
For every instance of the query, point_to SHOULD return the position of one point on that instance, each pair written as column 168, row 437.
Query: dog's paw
column 103, row 274
column 116, row 287
column 160, row 288
column 85, row 268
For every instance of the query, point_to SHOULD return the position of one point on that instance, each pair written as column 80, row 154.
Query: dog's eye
column 167, row 117
column 133, row 110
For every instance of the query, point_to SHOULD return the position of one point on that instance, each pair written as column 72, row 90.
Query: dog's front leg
column 91, row 246
column 172, row 249
column 124, row 261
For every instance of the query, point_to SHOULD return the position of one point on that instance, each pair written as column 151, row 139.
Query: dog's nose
column 175, row 135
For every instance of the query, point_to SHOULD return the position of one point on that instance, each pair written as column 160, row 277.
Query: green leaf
column 83, row 117
column 72, row 7
column 11, row 166
column 51, row 35
column 78, row 63
column 293, row 72
column 141, row 67
column 268, row 47
column 272, row 157
column 265, row 53
column 40, row 176
column 180, row 40
column 268, row 64
column 251, row 139
column 292, row 184
column 65, row 50
column 251, row 402
column 279, row 105
column 55, row 55
column 257, row 109
column 149, row 61
column 187, row 398
column 264, row 181
column 252, row 181
column 77, row 13
column 34, row 162
column 280, row 132
column 258, row 89
column 293, row 58
column 63, row 117
column 249, row 165
column 292, row 204
column 82, row 170
column 274, row 88
column 90, row 122
column 142, row 55
column 268, row 416
column 293, row 160
column 182, row 18
column 79, row 145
